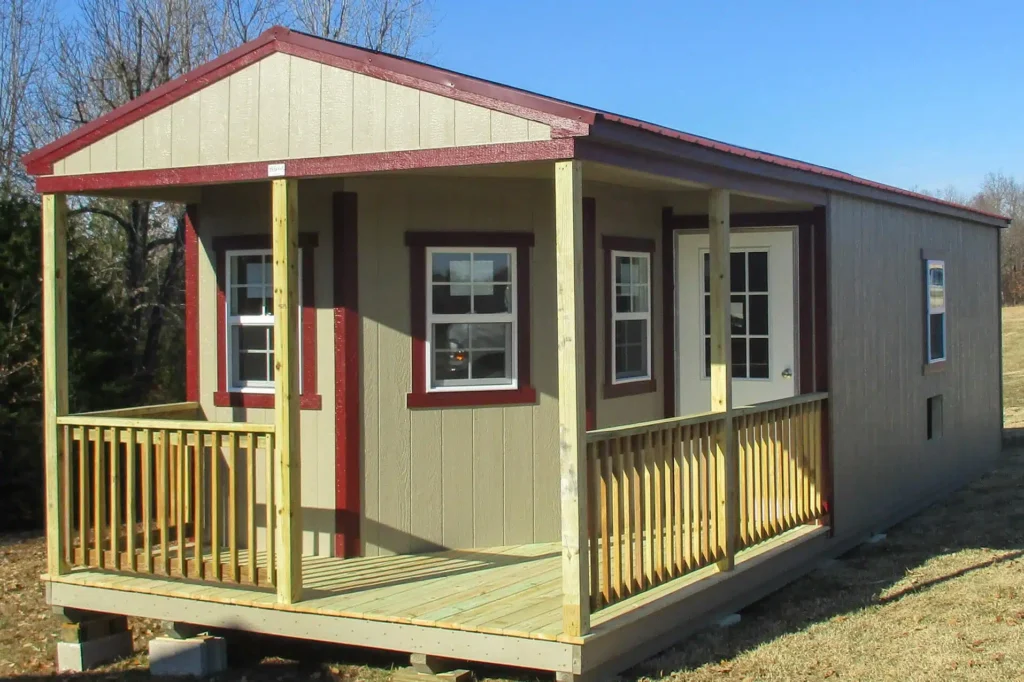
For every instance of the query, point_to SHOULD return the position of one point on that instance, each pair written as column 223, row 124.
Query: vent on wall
column 935, row 417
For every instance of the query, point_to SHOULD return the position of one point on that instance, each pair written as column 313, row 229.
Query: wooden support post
column 571, row 397
column 55, row 370
column 721, row 379
column 286, row 388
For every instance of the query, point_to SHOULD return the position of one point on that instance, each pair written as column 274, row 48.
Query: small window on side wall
column 629, row 364
column 935, row 295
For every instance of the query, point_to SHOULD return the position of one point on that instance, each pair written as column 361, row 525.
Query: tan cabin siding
column 286, row 107
column 466, row 477
column 882, row 460
column 628, row 213
column 245, row 209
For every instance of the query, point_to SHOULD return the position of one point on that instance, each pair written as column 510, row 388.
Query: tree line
column 63, row 64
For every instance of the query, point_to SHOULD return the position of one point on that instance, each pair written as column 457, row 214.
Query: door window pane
column 748, row 314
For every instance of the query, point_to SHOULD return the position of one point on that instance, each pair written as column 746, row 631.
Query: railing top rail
column 163, row 424
column 144, row 410
column 778, row 404
column 598, row 435
column 656, row 425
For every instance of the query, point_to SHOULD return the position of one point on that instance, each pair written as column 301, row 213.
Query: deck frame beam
column 55, row 369
column 571, row 397
column 285, row 239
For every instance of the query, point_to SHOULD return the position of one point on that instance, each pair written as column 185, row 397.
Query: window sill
column 519, row 396
column 630, row 388
column 307, row 401
column 934, row 367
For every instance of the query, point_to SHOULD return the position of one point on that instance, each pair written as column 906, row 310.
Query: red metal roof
column 566, row 118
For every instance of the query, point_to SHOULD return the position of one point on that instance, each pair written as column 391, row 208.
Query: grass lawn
column 942, row 598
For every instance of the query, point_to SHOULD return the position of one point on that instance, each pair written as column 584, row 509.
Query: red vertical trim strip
column 418, row 319
column 805, row 306
column 590, row 308
column 668, row 310
column 222, row 334
column 347, row 412
column 192, row 302
column 308, row 312
column 523, row 305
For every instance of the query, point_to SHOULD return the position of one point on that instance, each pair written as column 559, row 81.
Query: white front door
column 763, row 305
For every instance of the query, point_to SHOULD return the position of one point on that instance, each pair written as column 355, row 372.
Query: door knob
column 787, row 373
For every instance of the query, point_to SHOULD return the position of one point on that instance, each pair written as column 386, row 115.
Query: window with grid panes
column 748, row 313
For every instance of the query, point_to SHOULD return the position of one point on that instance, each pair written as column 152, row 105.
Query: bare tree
column 1004, row 194
column 23, row 29
column 394, row 26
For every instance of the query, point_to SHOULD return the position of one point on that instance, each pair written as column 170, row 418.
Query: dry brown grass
column 942, row 598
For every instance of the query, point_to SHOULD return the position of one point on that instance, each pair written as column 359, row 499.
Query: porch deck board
column 513, row 590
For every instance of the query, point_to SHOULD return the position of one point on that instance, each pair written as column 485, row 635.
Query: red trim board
column 192, row 303
column 347, row 405
column 309, row 399
column 488, row 154
column 418, row 242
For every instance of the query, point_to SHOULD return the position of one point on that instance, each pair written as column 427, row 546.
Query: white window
column 250, row 320
column 471, row 319
column 631, row 316
column 935, row 283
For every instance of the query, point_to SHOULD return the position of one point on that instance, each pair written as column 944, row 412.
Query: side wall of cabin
column 884, row 464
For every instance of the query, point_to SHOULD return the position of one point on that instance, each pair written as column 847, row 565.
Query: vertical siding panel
column 508, row 128
column 472, row 124
column 402, row 118
column 244, row 114
column 304, row 109
column 457, row 477
column 103, row 155
column 185, row 131
column 370, row 314
column 437, row 121
column 157, row 139
column 394, row 378
column 538, row 131
column 546, row 505
column 274, row 107
column 79, row 162
column 214, row 105
column 131, row 147
column 427, row 482
column 370, row 102
column 488, row 477
column 518, row 446
column 336, row 111
column 321, row 206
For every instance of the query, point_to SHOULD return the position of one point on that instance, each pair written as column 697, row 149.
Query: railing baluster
column 658, row 566
column 271, row 513
column 129, row 502
column 233, row 506
column 99, row 489
column 84, row 508
column 593, row 502
column 147, row 500
column 677, row 500
column 215, row 521
column 66, row 506
column 624, row 483
column 180, row 484
column 617, row 530
column 197, row 505
column 687, row 497
column 164, row 498
column 250, row 515
column 604, row 464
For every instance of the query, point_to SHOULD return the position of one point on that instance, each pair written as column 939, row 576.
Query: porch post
column 55, row 370
column 721, row 377
column 571, row 398
column 286, row 388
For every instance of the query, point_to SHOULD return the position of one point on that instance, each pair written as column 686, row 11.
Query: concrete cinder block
column 197, row 656
column 82, row 656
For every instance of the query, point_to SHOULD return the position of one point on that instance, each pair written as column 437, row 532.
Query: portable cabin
column 481, row 374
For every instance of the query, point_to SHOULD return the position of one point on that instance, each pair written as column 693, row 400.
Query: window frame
column 422, row 395
column 632, row 246
column 472, row 318
column 225, row 395
column 631, row 316
column 932, row 259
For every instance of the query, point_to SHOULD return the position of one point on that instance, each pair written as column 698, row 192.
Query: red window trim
column 192, row 303
column 309, row 399
column 636, row 244
column 418, row 242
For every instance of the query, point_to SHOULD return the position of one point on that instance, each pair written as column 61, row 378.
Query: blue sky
column 915, row 94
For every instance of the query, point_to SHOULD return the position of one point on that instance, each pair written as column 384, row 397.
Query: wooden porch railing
column 147, row 493
column 656, row 506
